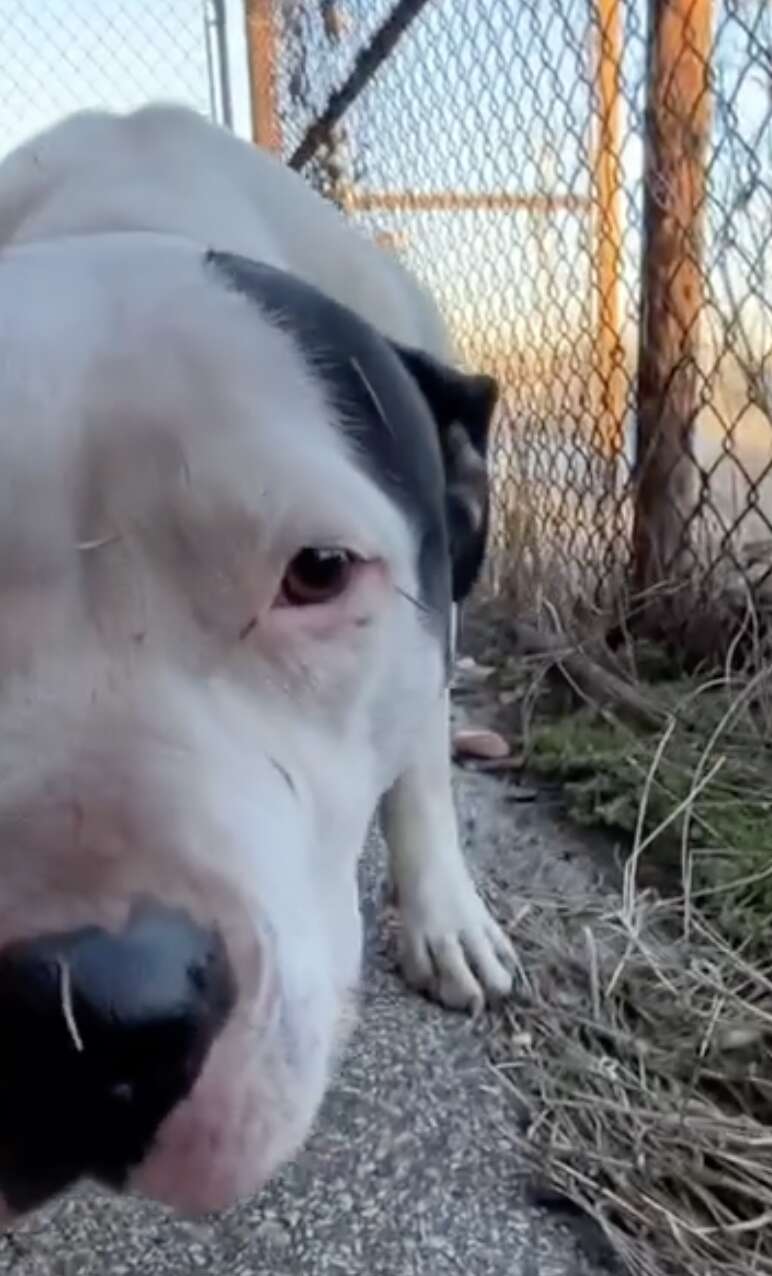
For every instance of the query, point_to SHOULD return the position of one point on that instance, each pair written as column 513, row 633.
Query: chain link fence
column 57, row 57
column 586, row 188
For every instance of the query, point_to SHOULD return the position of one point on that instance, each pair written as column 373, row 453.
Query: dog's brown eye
column 317, row 576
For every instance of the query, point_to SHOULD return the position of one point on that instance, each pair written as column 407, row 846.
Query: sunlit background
column 484, row 98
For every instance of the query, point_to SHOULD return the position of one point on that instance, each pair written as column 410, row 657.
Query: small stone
column 478, row 743
column 273, row 1234
column 467, row 672
column 521, row 793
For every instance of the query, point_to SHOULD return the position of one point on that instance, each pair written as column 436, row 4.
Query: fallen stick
column 597, row 683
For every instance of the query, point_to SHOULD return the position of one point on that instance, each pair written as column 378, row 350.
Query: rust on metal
column 359, row 201
column 262, row 61
column 608, row 179
column 678, row 121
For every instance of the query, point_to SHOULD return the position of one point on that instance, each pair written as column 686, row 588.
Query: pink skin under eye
column 325, row 591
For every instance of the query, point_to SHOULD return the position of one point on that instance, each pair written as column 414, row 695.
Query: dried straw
column 641, row 1056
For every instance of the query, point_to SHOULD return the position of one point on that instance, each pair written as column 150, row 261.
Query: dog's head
column 226, row 509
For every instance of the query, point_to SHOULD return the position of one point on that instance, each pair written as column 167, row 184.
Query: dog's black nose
column 101, row 1035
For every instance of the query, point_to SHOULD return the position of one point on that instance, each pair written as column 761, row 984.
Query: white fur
column 164, row 452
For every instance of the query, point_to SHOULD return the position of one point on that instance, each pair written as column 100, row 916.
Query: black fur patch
column 462, row 405
column 418, row 427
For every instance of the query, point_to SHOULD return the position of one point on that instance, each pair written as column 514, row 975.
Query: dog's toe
column 455, row 952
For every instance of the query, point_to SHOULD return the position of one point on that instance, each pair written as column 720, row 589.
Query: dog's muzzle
column 102, row 1036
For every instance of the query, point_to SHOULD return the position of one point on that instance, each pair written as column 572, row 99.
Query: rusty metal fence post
column 260, row 21
column 678, row 119
column 608, row 182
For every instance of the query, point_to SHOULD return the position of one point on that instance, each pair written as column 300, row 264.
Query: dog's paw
column 452, row 949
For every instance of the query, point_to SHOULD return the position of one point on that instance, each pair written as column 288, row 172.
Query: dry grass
column 641, row 1053
column 696, row 798
column 643, row 1061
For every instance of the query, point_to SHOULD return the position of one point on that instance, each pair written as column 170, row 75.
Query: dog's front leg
column 451, row 948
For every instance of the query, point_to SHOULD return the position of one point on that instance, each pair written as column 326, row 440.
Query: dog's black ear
column 462, row 405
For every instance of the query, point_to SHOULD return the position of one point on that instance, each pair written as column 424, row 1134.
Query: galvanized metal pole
column 219, row 22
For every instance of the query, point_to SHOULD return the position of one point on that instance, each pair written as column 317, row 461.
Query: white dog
column 241, row 487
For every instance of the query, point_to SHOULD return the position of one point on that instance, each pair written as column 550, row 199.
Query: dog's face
column 224, row 601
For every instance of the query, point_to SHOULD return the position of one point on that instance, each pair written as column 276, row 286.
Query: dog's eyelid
column 352, row 546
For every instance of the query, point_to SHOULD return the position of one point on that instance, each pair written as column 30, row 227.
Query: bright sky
column 61, row 55
column 502, row 82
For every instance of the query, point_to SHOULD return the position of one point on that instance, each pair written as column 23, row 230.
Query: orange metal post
column 459, row 201
column 608, row 235
column 262, row 60
column 678, row 119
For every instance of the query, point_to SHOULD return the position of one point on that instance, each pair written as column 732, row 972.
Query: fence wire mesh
column 56, row 58
column 502, row 150
column 590, row 205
